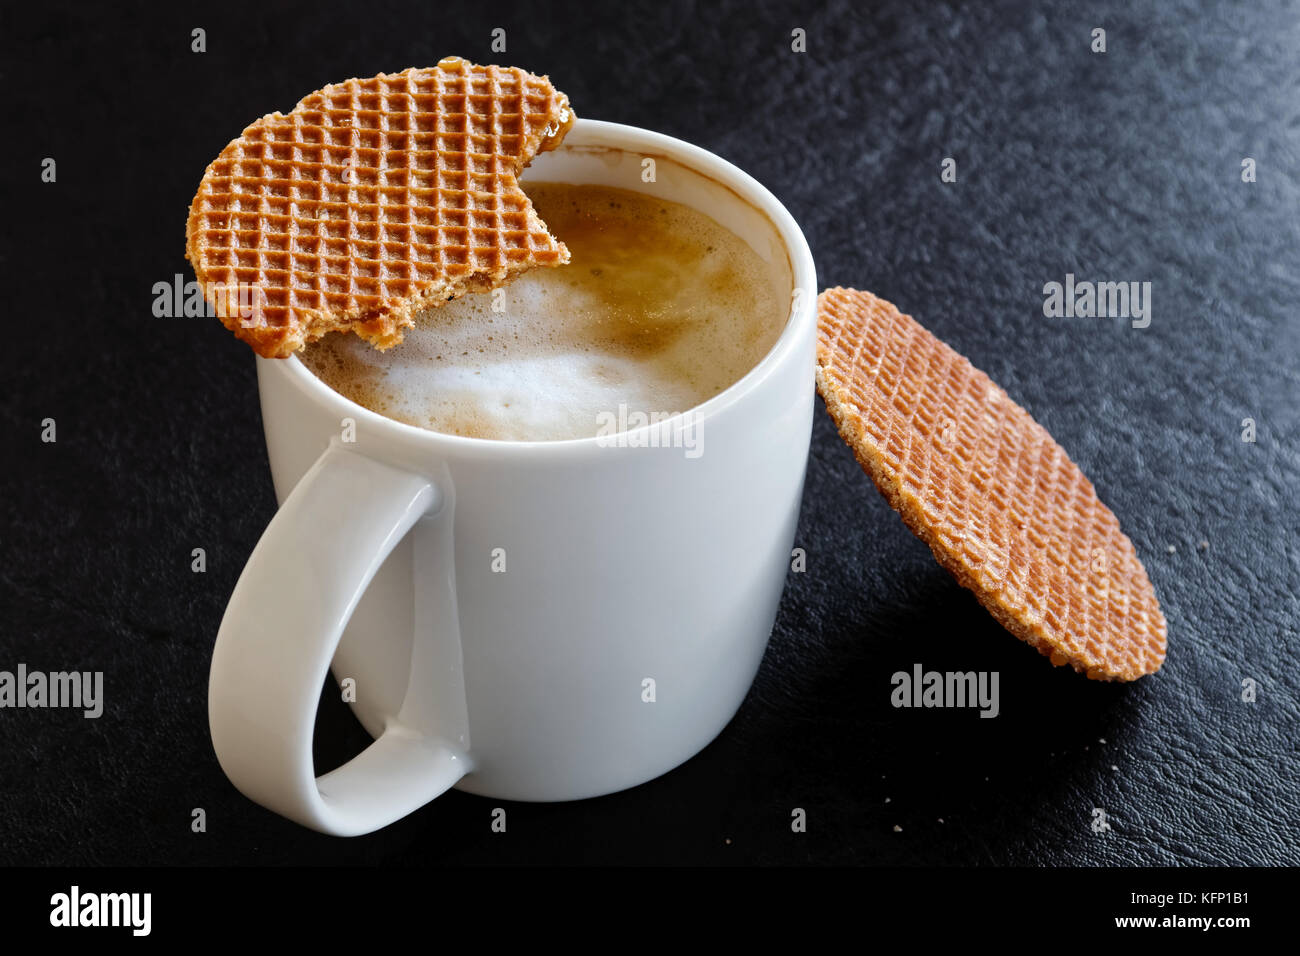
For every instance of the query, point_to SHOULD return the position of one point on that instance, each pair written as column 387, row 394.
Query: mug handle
column 279, row 634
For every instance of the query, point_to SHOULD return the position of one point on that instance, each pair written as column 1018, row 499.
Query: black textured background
column 1117, row 166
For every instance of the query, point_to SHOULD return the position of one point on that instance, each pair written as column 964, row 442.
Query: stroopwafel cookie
column 372, row 199
column 999, row 502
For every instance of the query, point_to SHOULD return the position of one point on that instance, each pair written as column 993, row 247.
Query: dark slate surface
column 1122, row 166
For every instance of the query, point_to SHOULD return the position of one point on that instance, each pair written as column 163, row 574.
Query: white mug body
column 578, row 617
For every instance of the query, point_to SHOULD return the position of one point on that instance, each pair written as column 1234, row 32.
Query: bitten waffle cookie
column 373, row 199
column 987, row 488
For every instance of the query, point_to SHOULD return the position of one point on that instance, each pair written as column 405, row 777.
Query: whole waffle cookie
column 998, row 501
column 373, row 199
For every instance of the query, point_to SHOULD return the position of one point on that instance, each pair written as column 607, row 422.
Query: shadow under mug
column 537, row 621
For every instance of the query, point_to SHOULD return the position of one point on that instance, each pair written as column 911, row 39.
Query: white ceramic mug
column 524, row 620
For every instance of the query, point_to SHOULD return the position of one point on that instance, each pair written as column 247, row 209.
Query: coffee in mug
column 659, row 309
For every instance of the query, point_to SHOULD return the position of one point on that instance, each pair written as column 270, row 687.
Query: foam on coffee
column 659, row 309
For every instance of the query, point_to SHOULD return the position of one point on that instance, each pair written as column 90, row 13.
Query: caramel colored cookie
column 998, row 501
column 373, row 199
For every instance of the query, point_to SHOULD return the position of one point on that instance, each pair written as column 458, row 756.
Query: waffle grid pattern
column 998, row 501
column 372, row 199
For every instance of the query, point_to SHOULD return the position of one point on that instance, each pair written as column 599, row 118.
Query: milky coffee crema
column 659, row 309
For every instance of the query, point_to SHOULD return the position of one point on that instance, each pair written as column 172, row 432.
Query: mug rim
column 600, row 133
